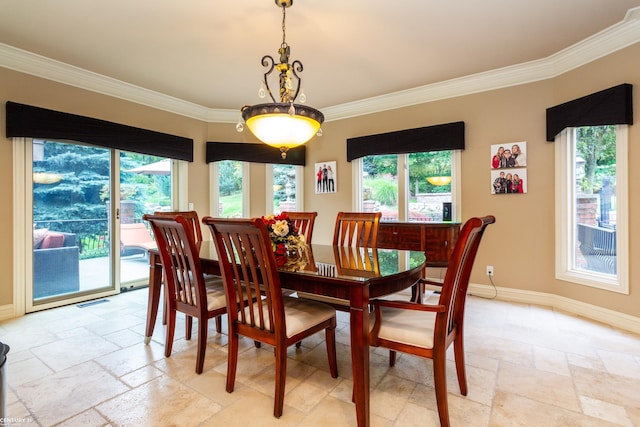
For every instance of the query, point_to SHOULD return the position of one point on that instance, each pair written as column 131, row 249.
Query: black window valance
column 449, row 136
column 611, row 106
column 256, row 153
column 35, row 122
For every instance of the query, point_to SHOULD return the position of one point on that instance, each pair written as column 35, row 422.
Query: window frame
column 565, row 215
column 403, row 185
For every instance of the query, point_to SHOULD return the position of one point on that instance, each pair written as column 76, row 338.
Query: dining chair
column 192, row 220
column 428, row 330
column 257, row 308
column 358, row 229
column 304, row 223
column 194, row 224
column 186, row 289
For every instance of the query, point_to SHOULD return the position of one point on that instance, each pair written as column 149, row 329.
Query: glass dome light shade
column 273, row 125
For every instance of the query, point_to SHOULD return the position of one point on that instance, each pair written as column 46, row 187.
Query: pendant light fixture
column 282, row 124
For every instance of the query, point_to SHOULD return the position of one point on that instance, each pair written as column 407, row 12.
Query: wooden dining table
column 320, row 274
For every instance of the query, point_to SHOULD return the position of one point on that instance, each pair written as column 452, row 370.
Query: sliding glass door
column 87, row 242
column 72, row 252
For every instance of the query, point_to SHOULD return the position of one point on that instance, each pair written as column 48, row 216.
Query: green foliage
column 380, row 165
column 597, row 147
column 424, row 165
column 384, row 189
column 232, row 205
column 380, row 174
column 77, row 203
column 230, row 177
column 94, row 246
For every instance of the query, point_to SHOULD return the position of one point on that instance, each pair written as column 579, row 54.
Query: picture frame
column 326, row 177
column 509, row 155
column 509, row 181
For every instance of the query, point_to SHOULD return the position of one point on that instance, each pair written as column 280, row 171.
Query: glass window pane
column 429, row 185
column 595, row 199
column 380, row 185
column 284, row 188
column 145, row 187
column 71, row 189
column 230, row 189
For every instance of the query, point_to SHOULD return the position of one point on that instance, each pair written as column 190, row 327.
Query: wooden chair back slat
column 358, row 229
column 303, row 221
column 192, row 219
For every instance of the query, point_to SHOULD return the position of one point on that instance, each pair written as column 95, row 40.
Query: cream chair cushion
column 410, row 327
column 300, row 314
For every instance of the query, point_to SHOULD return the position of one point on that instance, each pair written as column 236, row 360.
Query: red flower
column 281, row 254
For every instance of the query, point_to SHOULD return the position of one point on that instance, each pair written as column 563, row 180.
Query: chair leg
column 330, row 334
column 281, row 376
column 188, row 324
column 440, row 384
column 171, row 326
column 164, row 304
column 202, row 344
column 458, row 352
column 219, row 324
column 232, row 360
column 257, row 344
column 392, row 358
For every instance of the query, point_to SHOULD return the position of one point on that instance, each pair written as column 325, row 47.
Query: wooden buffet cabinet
column 436, row 239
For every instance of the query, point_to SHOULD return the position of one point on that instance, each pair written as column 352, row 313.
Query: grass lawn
column 231, row 205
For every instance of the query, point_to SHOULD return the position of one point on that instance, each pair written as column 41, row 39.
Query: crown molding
column 614, row 38
column 50, row 69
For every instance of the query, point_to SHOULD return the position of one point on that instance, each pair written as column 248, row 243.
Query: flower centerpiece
column 286, row 242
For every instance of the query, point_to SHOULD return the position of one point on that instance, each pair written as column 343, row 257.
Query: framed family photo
column 510, row 155
column 326, row 177
column 509, row 181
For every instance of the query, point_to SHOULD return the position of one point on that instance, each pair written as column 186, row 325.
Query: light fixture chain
column 284, row 28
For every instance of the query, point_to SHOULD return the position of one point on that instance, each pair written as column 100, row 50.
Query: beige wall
column 520, row 245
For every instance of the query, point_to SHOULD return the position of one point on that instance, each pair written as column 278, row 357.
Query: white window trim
column 456, row 173
column 565, row 215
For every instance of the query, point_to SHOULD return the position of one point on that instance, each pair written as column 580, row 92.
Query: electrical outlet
column 489, row 270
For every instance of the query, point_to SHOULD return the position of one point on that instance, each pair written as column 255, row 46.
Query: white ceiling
column 206, row 53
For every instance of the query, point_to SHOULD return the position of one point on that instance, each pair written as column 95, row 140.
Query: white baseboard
column 593, row 312
column 6, row 312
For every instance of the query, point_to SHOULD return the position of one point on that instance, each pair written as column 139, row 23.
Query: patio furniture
column 56, row 265
column 598, row 246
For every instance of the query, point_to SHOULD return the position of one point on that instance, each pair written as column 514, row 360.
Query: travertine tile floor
column 527, row 366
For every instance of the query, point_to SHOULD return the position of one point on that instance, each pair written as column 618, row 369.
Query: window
column 230, row 198
column 408, row 187
column 284, row 183
column 591, row 207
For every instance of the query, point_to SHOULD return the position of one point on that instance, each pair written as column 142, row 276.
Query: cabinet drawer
column 400, row 236
column 439, row 244
column 434, row 238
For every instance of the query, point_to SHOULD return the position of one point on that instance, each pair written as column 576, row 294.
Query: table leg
column 155, row 284
column 359, row 311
